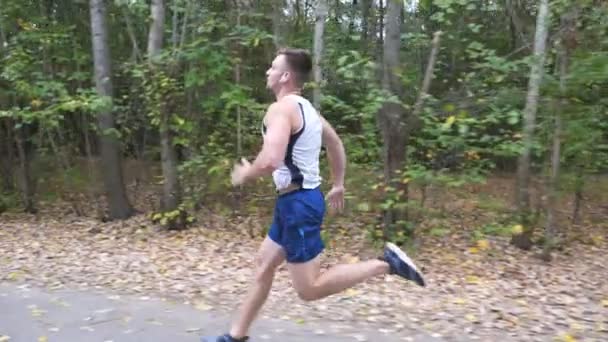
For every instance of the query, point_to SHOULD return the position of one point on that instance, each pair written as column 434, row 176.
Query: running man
column 293, row 134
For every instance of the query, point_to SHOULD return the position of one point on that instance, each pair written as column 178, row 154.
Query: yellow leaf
column 201, row 305
column 471, row 318
column 474, row 250
column 36, row 103
column 517, row 229
column 448, row 123
column 605, row 302
column 576, row 327
column 483, row 244
column 363, row 207
column 43, row 339
column 567, row 338
column 14, row 275
column 299, row 321
column 37, row 312
column 351, row 292
column 459, row 301
column 471, row 279
column 597, row 240
column 405, row 180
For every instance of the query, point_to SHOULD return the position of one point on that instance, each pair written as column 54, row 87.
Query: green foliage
column 174, row 219
column 8, row 201
column 470, row 124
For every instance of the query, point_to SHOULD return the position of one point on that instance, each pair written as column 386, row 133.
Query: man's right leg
column 270, row 256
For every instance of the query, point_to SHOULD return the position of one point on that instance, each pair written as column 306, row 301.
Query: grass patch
column 492, row 229
column 439, row 232
column 489, row 203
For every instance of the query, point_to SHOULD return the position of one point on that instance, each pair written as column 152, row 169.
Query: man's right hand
column 335, row 198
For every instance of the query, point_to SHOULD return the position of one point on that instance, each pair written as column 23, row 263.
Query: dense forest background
column 110, row 108
column 476, row 133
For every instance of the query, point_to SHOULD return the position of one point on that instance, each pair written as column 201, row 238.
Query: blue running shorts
column 296, row 225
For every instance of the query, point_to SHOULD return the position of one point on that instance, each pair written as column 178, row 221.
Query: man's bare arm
column 278, row 129
column 335, row 153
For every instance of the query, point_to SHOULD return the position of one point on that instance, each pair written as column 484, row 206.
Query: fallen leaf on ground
column 471, row 318
column 459, row 301
column 483, row 244
column 567, row 338
column 351, row 292
column 201, row 305
column 517, row 229
column 471, row 279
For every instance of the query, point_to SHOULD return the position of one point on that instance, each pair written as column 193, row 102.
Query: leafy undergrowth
column 478, row 285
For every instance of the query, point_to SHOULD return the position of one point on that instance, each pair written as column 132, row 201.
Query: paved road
column 31, row 314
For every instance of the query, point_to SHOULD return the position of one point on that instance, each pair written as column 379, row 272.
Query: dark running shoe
column 401, row 264
column 223, row 338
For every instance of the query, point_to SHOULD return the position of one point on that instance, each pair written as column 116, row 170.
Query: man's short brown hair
column 299, row 62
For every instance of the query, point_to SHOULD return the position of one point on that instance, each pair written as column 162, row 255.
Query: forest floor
column 479, row 286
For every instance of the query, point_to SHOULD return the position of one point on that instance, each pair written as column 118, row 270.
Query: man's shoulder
column 284, row 105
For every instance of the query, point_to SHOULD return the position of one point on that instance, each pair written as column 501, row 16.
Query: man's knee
column 308, row 293
column 264, row 270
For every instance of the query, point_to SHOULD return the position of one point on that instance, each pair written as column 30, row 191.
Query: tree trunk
column 517, row 24
column 27, row 182
column 298, row 11
column 579, row 185
column 277, row 23
column 135, row 51
column 366, row 9
column 182, row 37
column 174, row 27
column 524, row 239
column 171, row 197
column 379, row 30
column 7, row 155
column 320, row 16
column 392, row 116
column 119, row 205
column 568, row 22
column 155, row 36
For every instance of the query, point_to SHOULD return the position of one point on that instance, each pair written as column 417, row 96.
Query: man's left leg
column 303, row 214
column 311, row 284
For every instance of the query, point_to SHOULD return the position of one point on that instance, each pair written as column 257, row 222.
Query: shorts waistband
column 289, row 189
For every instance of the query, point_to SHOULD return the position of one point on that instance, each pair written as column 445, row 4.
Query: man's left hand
column 240, row 171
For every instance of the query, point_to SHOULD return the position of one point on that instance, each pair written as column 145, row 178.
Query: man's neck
column 287, row 91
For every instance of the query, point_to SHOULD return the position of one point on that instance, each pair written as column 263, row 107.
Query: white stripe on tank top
column 301, row 162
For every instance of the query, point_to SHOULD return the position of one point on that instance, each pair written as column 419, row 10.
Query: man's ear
column 285, row 77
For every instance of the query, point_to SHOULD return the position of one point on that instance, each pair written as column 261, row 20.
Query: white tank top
column 301, row 163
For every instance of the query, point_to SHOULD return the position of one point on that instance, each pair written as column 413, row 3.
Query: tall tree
column 157, row 25
column 119, row 205
column 523, row 240
column 568, row 27
column 278, row 6
column 7, row 155
column 171, row 188
column 27, row 183
column 392, row 115
column 320, row 17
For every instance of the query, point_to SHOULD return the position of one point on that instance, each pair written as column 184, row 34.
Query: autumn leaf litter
column 507, row 293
